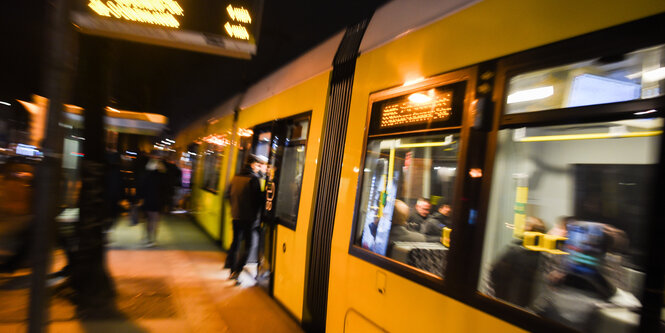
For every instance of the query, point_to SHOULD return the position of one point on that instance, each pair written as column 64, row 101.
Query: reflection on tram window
column 263, row 145
column 212, row 162
column 567, row 221
column 291, row 173
column 631, row 76
column 407, row 189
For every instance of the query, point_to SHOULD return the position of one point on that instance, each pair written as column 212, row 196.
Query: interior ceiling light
column 530, row 94
column 419, row 98
column 645, row 112
column 654, row 75
column 649, row 76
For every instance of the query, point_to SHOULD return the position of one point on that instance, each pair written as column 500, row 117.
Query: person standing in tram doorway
column 247, row 199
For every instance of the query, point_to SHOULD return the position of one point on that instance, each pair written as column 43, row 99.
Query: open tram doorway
column 282, row 142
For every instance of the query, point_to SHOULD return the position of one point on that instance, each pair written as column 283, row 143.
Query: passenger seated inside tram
column 419, row 214
column 561, row 226
column 399, row 232
column 515, row 273
column 552, row 262
column 586, row 291
column 435, row 223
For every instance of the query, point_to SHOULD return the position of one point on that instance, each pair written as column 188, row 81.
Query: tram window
column 243, row 147
column 212, row 160
column 567, row 221
column 291, row 173
column 407, row 189
column 625, row 77
column 263, row 145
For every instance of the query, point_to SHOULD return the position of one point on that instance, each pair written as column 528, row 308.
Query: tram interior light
column 654, row 75
column 645, row 112
column 530, row 94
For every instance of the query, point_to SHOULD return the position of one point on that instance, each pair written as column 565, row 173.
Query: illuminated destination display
column 408, row 112
column 228, row 28
column 419, row 110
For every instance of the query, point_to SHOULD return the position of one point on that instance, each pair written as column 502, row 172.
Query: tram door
column 283, row 143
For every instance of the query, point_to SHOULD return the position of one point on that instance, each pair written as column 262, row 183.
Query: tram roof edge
column 398, row 18
column 310, row 64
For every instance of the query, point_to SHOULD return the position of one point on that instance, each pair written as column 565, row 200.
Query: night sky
column 182, row 85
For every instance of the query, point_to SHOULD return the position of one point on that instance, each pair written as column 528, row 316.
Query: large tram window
column 212, row 159
column 244, row 146
column 405, row 200
column 623, row 77
column 290, row 175
column 567, row 221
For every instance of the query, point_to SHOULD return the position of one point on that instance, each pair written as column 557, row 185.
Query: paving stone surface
column 177, row 286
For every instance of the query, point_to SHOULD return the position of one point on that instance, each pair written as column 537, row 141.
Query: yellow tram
column 502, row 117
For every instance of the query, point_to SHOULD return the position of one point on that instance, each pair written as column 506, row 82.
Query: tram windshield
column 406, row 195
column 566, row 232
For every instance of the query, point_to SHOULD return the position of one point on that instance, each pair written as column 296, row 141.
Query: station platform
column 176, row 286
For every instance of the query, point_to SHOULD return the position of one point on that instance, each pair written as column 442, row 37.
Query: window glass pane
column 290, row 176
column 406, row 191
column 567, row 221
column 263, row 144
column 636, row 75
column 212, row 159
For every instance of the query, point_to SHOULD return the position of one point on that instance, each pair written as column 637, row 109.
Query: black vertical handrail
column 330, row 161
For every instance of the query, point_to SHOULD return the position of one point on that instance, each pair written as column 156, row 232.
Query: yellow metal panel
column 290, row 265
column 486, row 30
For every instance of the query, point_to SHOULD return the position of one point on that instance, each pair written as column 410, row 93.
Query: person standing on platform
column 175, row 182
column 152, row 193
column 247, row 199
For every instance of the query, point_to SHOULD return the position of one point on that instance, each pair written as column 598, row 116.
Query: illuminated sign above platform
column 163, row 12
column 228, row 28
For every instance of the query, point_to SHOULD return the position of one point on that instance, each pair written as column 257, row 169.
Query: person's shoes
column 148, row 242
column 234, row 276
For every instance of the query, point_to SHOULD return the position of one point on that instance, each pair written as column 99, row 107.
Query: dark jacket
column 414, row 222
column 245, row 196
column 433, row 226
column 153, row 189
column 400, row 233
column 514, row 276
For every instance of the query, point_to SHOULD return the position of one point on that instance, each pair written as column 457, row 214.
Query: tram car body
column 498, row 118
